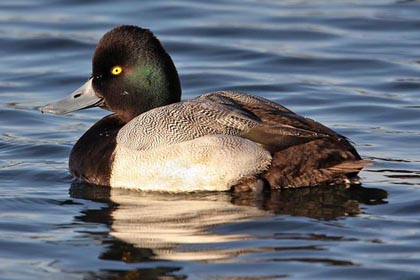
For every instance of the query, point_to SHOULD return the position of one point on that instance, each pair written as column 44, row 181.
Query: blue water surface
column 352, row 65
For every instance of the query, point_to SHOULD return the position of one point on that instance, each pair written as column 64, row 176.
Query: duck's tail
column 351, row 166
column 341, row 173
column 322, row 161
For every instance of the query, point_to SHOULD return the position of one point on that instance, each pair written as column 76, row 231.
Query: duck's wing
column 228, row 113
column 280, row 128
column 185, row 121
column 269, row 112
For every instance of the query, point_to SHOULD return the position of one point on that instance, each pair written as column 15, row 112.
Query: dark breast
column 91, row 157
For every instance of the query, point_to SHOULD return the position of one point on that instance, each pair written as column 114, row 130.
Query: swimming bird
column 216, row 142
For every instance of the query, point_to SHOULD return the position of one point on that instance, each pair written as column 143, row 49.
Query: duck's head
column 131, row 73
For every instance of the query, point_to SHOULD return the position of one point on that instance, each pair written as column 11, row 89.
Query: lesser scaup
column 213, row 142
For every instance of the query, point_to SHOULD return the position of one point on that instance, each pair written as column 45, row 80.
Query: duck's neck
column 151, row 85
column 155, row 93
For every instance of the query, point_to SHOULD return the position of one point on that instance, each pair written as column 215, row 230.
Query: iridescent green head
column 132, row 73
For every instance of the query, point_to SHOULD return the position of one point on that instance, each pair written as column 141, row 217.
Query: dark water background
column 353, row 65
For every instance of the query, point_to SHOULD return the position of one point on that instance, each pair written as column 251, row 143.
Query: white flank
column 212, row 163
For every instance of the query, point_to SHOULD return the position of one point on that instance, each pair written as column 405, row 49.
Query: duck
column 218, row 141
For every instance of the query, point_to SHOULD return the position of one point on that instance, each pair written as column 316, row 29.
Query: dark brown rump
column 318, row 162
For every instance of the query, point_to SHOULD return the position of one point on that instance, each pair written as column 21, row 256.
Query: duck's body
column 213, row 142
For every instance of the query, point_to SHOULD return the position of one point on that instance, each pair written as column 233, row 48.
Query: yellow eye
column 116, row 70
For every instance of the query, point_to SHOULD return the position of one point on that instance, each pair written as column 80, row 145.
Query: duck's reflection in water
column 178, row 227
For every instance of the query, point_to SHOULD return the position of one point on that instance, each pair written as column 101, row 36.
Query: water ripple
column 351, row 65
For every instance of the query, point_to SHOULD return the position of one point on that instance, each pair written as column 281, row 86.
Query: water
column 353, row 65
